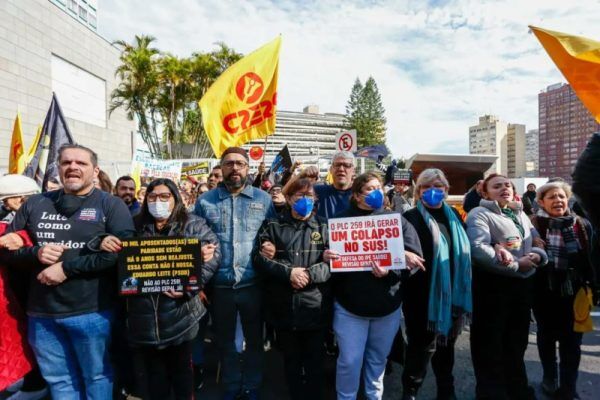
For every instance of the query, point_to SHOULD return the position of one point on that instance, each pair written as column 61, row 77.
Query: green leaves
column 365, row 113
column 161, row 91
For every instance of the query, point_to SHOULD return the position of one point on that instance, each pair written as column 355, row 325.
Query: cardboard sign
column 362, row 240
column 346, row 141
column 154, row 265
column 150, row 168
column 197, row 171
column 402, row 176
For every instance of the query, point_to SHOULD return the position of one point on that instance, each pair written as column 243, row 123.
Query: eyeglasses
column 307, row 195
column 231, row 163
column 343, row 165
column 162, row 196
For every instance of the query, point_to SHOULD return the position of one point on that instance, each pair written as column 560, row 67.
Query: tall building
column 489, row 137
column 565, row 126
column 45, row 49
column 532, row 153
column 506, row 141
column 515, row 151
column 310, row 136
column 84, row 11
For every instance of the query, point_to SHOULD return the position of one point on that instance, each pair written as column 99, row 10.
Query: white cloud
column 438, row 64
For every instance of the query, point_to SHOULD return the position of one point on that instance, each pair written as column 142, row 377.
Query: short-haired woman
column 367, row 303
column 567, row 238
column 437, row 301
column 504, row 260
column 297, row 292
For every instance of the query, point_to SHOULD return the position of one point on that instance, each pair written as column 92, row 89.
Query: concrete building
column 515, row 150
column 506, row 141
column 310, row 136
column 84, row 11
column 45, row 49
column 489, row 137
column 565, row 126
column 532, row 153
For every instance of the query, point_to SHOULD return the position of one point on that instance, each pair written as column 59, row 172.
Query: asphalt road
column 274, row 386
column 588, row 383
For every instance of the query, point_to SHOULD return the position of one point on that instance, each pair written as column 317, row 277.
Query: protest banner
column 361, row 240
column 402, row 176
column 157, row 264
column 196, row 171
column 150, row 168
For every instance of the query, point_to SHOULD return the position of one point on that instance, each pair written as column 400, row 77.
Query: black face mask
column 68, row 204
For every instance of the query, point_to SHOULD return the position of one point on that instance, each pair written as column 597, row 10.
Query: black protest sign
column 402, row 176
column 157, row 264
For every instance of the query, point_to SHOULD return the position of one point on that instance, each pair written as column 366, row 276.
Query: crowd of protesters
column 265, row 274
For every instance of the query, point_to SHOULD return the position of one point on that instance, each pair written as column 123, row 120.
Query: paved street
column 588, row 383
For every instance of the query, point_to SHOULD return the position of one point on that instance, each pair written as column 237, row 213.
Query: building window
column 72, row 5
column 93, row 20
column 82, row 13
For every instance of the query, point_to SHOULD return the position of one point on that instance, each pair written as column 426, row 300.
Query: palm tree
column 137, row 90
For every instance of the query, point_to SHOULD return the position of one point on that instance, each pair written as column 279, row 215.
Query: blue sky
column 439, row 64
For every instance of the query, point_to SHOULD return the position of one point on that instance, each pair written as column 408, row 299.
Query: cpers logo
column 249, row 89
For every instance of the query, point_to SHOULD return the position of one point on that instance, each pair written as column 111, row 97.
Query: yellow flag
column 34, row 145
column 578, row 59
column 240, row 105
column 16, row 159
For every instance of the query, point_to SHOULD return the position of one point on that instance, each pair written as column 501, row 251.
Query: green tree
column 366, row 114
column 162, row 91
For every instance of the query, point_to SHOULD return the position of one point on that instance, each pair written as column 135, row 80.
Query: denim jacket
column 236, row 220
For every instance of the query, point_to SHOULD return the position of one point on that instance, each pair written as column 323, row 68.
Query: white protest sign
column 346, row 141
column 360, row 240
column 153, row 168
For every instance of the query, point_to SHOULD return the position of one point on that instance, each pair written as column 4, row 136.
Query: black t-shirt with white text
column 91, row 275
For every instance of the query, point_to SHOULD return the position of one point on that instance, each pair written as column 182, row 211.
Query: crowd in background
column 266, row 276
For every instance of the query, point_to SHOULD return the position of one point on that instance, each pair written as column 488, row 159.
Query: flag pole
column 265, row 149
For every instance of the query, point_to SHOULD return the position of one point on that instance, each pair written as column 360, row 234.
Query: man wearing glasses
column 235, row 211
column 332, row 199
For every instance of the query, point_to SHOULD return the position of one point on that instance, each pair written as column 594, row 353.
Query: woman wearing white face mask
column 161, row 327
column 367, row 304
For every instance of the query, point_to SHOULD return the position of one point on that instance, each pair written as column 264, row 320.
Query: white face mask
column 159, row 209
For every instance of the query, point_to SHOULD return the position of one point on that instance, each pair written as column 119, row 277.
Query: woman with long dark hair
column 161, row 327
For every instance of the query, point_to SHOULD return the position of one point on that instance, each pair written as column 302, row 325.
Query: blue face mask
column 374, row 199
column 303, row 206
column 433, row 197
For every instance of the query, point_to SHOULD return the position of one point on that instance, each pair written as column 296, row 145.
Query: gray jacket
column 487, row 226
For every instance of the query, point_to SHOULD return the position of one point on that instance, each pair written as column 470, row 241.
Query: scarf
column 562, row 243
column 447, row 298
column 511, row 214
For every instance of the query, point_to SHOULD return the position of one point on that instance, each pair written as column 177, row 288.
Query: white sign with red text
column 362, row 240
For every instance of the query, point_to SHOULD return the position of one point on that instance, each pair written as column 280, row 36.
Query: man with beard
column 72, row 288
column 332, row 199
column 125, row 189
column 215, row 177
column 235, row 211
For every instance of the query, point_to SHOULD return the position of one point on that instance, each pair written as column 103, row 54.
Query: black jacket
column 362, row 293
column 298, row 244
column 471, row 200
column 160, row 320
column 415, row 287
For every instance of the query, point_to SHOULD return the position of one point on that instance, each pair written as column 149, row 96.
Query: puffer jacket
column 488, row 226
column 298, row 244
column 159, row 320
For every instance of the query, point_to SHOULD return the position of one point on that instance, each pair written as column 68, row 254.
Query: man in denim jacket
column 235, row 211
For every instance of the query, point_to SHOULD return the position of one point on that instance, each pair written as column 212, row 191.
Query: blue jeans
column 72, row 353
column 364, row 343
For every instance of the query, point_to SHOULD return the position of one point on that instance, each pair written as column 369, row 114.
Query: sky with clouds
column 439, row 64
